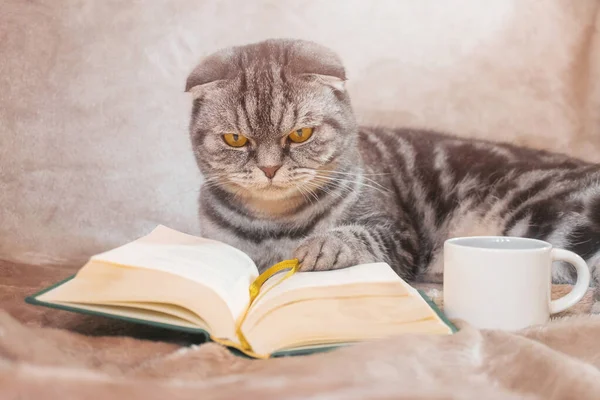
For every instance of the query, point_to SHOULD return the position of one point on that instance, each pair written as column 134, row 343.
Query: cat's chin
column 273, row 192
column 271, row 202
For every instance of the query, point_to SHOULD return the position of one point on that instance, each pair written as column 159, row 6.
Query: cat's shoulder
column 408, row 134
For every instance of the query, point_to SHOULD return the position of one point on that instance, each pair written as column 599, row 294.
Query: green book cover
column 201, row 332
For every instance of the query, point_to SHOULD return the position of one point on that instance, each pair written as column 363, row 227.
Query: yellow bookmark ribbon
column 255, row 291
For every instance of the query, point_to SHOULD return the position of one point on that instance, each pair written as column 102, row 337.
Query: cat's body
column 431, row 187
column 350, row 195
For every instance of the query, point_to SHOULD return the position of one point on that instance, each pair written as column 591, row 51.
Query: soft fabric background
column 93, row 117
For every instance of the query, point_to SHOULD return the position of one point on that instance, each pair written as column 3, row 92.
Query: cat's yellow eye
column 300, row 135
column 235, row 139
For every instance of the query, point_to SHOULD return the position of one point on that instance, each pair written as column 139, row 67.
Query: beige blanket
column 41, row 356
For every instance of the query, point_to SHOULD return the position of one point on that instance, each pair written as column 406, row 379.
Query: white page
column 364, row 273
column 225, row 269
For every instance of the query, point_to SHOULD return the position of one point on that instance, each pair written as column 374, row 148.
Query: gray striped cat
column 288, row 173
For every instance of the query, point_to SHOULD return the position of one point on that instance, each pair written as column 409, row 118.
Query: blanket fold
column 557, row 361
column 46, row 353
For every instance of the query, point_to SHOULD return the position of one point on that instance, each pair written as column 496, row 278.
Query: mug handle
column 581, row 286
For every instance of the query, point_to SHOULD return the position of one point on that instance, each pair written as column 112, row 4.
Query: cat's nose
column 270, row 171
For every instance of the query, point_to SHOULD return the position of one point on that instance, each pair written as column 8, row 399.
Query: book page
column 223, row 268
column 359, row 274
column 363, row 302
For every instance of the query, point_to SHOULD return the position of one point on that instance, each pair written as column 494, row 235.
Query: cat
column 289, row 173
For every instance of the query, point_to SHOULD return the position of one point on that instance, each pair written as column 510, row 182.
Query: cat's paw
column 324, row 252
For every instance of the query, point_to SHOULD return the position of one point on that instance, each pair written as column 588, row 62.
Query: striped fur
column 351, row 195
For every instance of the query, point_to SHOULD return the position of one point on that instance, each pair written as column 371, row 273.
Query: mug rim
column 459, row 242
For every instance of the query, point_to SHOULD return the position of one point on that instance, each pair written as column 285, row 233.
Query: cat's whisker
column 348, row 181
column 312, row 193
column 377, row 185
column 326, row 190
column 302, row 193
column 358, row 173
column 364, row 176
column 307, row 193
column 214, row 178
column 186, row 191
column 215, row 183
column 342, row 189
column 336, row 184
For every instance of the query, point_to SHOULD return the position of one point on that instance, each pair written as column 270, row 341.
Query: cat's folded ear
column 312, row 60
column 332, row 81
column 302, row 58
column 213, row 69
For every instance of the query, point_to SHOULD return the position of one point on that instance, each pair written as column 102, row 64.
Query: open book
column 185, row 282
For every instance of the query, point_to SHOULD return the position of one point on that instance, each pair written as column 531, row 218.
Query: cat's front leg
column 377, row 239
column 338, row 248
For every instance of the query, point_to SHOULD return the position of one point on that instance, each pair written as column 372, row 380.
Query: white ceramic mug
column 495, row 282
